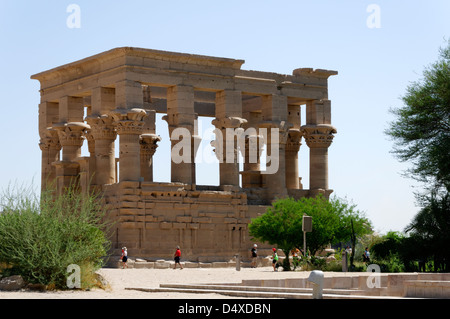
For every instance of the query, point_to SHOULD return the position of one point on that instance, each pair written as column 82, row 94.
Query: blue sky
column 375, row 66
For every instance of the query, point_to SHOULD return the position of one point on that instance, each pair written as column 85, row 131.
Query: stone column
column 104, row 135
column 226, row 148
column 71, row 136
column 184, row 141
column 318, row 133
column 292, row 148
column 50, row 147
column 275, row 122
column 276, row 174
column 251, row 174
column 129, row 123
column 318, row 138
column 228, row 123
column 149, row 144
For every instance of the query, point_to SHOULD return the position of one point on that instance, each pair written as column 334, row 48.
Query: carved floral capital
column 320, row 135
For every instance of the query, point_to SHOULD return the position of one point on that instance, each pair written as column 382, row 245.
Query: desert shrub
column 42, row 235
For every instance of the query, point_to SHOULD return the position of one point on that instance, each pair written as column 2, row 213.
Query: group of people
column 254, row 254
column 254, row 251
column 176, row 257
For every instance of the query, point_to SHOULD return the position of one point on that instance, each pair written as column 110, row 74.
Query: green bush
column 41, row 237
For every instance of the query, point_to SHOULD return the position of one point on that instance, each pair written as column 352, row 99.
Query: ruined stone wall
column 153, row 218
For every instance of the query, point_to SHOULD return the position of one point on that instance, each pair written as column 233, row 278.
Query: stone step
column 258, row 292
column 262, row 289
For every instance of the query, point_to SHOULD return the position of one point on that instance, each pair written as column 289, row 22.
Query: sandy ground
column 119, row 279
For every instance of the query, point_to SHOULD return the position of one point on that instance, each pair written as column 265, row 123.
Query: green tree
column 281, row 225
column 421, row 130
column 421, row 133
column 430, row 228
column 41, row 236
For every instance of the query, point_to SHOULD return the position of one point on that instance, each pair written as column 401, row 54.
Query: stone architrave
column 129, row 123
column 318, row 138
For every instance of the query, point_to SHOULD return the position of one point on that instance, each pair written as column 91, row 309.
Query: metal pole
column 304, row 243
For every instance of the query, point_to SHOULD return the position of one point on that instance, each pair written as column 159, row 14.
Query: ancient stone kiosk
column 116, row 94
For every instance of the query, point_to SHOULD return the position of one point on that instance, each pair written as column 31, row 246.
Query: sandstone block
column 179, row 225
column 184, row 219
column 165, row 225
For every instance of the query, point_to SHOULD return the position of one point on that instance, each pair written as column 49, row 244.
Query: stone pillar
column 148, row 139
column 318, row 138
column 251, row 174
column 149, row 144
column 50, row 147
column 274, row 120
column 104, row 135
column 129, row 123
column 228, row 133
column 184, row 141
column 292, row 148
column 318, row 133
column 228, row 123
column 275, row 179
column 71, row 136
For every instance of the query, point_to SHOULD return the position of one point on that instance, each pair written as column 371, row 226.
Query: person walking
column 366, row 255
column 177, row 257
column 274, row 259
column 124, row 257
column 254, row 256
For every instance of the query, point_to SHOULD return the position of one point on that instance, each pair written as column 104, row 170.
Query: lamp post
column 307, row 228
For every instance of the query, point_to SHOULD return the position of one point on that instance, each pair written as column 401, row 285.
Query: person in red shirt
column 177, row 257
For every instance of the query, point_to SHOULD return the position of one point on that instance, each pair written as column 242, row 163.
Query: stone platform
column 336, row 286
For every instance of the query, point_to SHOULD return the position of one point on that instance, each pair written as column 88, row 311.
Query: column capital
column 128, row 121
column 102, row 127
column 318, row 136
column 72, row 133
column 49, row 139
column 149, row 144
column 293, row 140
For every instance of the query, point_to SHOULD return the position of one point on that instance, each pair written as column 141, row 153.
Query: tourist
column 177, row 257
column 254, row 256
column 295, row 259
column 124, row 257
column 366, row 255
column 274, row 259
